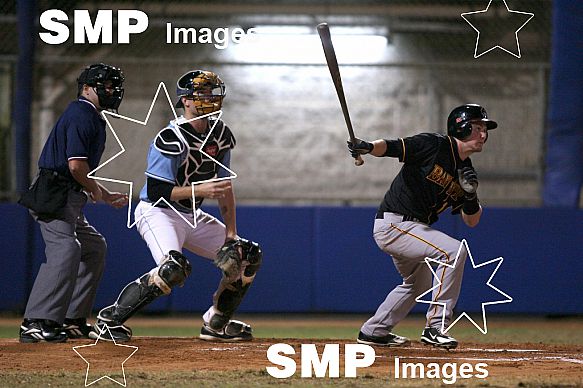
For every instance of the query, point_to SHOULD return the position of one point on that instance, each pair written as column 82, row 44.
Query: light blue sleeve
column 226, row 161
column 162, row 166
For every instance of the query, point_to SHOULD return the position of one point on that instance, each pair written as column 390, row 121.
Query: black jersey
column 428, row 181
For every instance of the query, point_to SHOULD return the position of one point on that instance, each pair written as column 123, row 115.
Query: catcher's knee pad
column 253, row 254
column 171, row 272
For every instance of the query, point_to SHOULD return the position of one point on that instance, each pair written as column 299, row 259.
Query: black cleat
column 117, row 333
column 434, row 337
column 77, row 328
column 234, row 331
column 391, row 340
column 35, row 330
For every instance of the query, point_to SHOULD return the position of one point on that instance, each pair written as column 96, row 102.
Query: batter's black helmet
column 460, row 119
column 96, row 75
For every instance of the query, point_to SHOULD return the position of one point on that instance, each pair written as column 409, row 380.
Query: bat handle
column 358, row 161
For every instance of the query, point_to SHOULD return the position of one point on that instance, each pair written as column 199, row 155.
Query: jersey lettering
column 454, row 191
column 427, row 183
column 440, row 176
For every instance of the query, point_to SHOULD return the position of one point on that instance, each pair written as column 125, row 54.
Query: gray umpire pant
column 66, row 284
column 409, row 243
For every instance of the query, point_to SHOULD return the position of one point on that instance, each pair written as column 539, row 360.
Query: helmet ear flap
column 465, row 129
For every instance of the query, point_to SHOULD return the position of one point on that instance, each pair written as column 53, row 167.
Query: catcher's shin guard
column 229, row 295
column 172, row 272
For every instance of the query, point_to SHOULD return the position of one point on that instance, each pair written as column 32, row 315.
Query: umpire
column 64, row 290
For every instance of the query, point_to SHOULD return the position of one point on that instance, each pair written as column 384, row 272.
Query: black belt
column 410, row 218
column 381, row 215
column 71, row 182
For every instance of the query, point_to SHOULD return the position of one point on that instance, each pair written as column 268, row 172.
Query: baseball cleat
column 35, row 330
column 77, row 328
column 434, row 337
column 117, row 333
column 234, row 331
column 391, row 340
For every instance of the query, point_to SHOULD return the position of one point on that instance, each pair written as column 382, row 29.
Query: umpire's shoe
column 391, row 340
column 234, row 331
column 111, row 332
column 35, row 330
column 77, row 328
column 434, row 337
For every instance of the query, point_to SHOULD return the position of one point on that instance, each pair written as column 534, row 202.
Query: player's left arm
column 227, row 205
column 471, row 209
column 472, row 220
column 228, row 210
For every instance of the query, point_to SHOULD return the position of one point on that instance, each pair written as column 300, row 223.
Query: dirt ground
column 505, row 362
column 187, row 361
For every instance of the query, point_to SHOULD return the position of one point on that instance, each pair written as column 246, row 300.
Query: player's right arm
column 79, row 169
column 409, row 150
column 166, row 153
column 362, row 147
column 206, row 190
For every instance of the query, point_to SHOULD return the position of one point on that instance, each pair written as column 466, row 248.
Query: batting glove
column 360, row 147
column 468, row 180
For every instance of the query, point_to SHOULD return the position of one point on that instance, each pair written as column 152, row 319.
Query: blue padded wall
column 324, row 259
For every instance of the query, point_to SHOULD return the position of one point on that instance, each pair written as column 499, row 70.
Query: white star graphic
column 476, row 55
column 180, row 120
column 429, row 262
column 105, row 376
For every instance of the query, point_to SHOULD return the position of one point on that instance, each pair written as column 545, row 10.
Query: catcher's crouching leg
column 171, row 272
column 218, row 323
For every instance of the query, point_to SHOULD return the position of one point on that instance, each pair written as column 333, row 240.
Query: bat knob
column 358, row 161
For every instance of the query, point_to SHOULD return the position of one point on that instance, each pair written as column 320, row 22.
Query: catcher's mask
column 97, row 76
column 204, row 88
column 459, row 122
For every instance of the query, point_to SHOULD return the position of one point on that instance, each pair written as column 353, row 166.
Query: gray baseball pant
column 67, row 282
column 409, row 243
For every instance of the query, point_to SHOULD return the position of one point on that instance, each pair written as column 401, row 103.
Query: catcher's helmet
column 205, row 88
column 460, row 119
column 96, row 75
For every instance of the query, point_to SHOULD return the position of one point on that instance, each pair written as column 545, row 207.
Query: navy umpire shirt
column 79, row 134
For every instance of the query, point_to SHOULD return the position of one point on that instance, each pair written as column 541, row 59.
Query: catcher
column 174, row 163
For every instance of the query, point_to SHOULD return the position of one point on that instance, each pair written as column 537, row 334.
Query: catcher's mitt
column 229, row 258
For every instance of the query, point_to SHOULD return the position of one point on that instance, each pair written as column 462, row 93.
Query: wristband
column 471, row 207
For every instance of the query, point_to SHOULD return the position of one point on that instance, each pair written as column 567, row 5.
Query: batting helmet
column 459, row 121
column 96, row 76
column 205, row 88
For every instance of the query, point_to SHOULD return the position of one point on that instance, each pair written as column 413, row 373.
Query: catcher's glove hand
column 229, row 258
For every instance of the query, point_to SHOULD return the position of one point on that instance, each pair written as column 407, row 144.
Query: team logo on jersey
column 212, row 150
column 440, row 177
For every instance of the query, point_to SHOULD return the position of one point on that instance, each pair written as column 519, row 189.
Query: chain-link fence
column 280, row 100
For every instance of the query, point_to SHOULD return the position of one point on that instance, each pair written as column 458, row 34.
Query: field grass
column 501, row 329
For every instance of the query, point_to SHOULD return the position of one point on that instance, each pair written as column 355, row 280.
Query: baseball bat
column 330, row 54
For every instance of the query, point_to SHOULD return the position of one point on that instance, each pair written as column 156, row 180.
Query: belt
column 72, row 183
column 410, row 218
column 381, row 214
column 75, row 186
